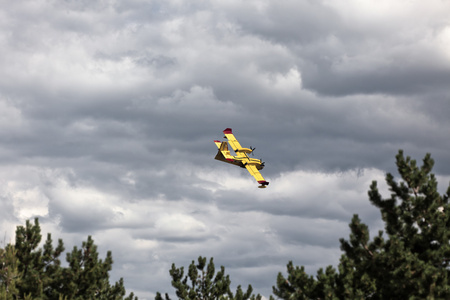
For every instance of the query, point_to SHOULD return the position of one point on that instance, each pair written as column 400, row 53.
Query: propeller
column 253, row 149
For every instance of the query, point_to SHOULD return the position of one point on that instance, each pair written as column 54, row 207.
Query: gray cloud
column 109, row 111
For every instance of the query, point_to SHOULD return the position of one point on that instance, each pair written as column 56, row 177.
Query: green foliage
column 300, row 285
column 9, row 273
column 39, row 268
column 203, row 283
column 410, row 260
column 29, row 272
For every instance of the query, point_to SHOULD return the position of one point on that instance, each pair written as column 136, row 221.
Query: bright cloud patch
column 179, row 226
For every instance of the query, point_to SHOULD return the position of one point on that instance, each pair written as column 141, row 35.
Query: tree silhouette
column 409, row 260
column 29, row 272
column 203, row 283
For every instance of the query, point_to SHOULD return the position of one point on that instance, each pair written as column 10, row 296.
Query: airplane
column 241, row 159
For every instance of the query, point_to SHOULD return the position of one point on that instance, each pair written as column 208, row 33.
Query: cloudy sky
column 109, row 110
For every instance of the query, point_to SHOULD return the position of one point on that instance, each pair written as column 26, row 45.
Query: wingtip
column 263, row 183
column 228, row 131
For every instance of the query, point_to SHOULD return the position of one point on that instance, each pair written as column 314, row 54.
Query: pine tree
column 39, row 268
column 408, row 260
column 9, row 273
column 203, row 283
column 87, row 275
column 39, row 275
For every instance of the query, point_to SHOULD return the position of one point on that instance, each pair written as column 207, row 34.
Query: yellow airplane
column 241, row 159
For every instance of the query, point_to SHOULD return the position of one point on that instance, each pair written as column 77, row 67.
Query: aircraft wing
column 235, row 144
column 255, row 173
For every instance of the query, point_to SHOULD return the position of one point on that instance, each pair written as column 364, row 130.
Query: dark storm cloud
column 343, row 54
column 168, row 113
column 288, row 22
column 399, row 77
